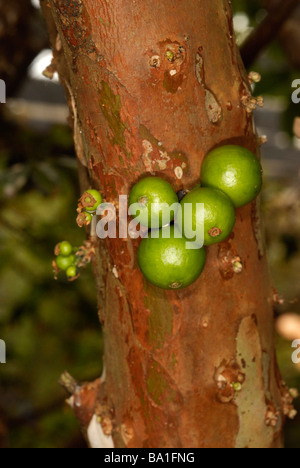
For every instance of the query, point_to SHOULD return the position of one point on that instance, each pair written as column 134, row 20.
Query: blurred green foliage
column 48, row 325
column 282, row 219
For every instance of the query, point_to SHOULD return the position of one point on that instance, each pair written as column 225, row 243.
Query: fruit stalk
column 153, row 87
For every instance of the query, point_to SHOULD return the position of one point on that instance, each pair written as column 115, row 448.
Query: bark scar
column 77, row 129
column 252, row 400
column 257, row 227
column 212, row 105
column 230, row 263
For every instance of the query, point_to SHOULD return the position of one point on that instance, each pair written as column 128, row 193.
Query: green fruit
column 91, row 199
column 152, row 197
column 234, row 170
column 71, row 272
column 63, row 263
column 84, row 219
column 216, row 221
column 88, row 217
column 65, row 248
column 167, row 263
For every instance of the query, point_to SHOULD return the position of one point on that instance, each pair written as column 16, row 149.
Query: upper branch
column 267, row 30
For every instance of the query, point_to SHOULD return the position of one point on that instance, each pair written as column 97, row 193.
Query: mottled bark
column 173, row 360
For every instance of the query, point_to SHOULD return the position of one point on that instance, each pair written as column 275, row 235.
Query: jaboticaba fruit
column 90, row 200
column 65, row 248
column 206, row 211
column 166, row 262
column 71, row 272
column 150, row 200
column 84, row 219
column 234, row 170
column 63, row 263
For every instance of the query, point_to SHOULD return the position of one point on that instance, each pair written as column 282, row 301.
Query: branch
column 68, row 383
column 267, row 31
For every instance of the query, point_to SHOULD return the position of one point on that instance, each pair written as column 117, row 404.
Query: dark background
column 50, row 326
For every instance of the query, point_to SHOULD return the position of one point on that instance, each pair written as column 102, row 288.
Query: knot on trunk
column 229, row 379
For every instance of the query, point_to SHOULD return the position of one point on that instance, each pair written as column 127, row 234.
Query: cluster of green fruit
column 66, row 259
column 231, row 177
column 87, row 208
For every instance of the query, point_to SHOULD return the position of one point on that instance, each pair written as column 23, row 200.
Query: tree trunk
column 153, row 86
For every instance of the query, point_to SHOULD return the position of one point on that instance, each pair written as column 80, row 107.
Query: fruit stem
column 215, row 232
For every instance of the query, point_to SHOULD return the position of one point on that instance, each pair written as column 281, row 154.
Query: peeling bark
column 153, row 86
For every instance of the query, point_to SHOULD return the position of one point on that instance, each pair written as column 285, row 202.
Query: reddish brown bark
column 173, row 360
